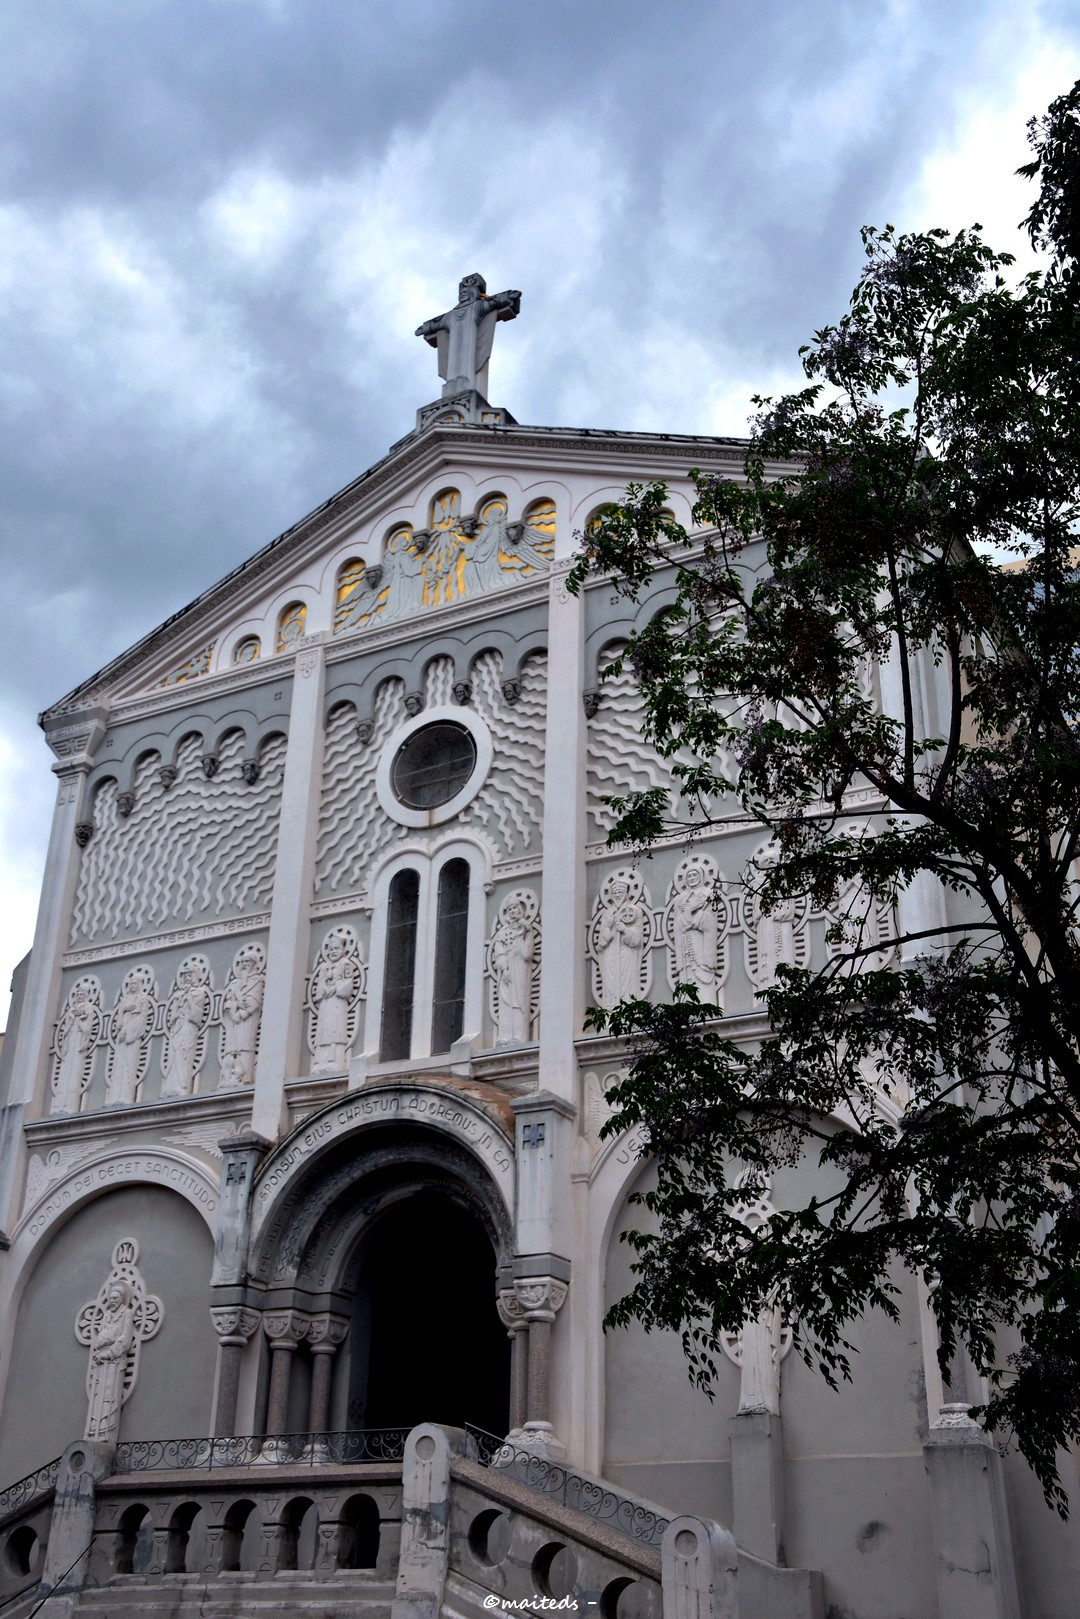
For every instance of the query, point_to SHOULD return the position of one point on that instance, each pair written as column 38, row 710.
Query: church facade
column 301, row 1131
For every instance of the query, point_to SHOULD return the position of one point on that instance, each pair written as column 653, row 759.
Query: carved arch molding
column 304, row 1203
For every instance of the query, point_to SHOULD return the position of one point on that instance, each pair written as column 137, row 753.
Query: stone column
column 74, row 739
column 325, row 1334
column 513, row 1319
column 234, row 1327
column 541, row 1298
column 290, row 927
column 284, row 1328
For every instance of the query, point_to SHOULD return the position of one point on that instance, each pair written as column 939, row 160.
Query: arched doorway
column 427, row 1344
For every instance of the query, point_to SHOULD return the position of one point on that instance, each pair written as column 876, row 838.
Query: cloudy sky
column 222, row 220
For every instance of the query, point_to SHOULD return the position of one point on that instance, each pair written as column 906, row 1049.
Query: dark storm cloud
column 223, row 218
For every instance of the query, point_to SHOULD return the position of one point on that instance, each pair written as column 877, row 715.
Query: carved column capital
column 285, row 1328
column 326, row 1332
column 233, row 1323
column 511, row 1310
column 540, row 1297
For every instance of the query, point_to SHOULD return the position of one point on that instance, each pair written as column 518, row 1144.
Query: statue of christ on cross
column 463, row 336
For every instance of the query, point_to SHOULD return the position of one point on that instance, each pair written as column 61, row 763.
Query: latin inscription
column 116, row 1172
column 388, row 1106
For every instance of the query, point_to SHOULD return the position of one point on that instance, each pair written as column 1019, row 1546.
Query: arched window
column 451, row 939
column 400, row 972
column 427, row 942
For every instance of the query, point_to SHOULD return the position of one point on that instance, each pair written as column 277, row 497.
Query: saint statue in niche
column 76, row 1036
column 132, row 1021
column 241, row 1014
column 114, row 1326
column 187, row 1013
column 620, row 944
column 111, row 1341
column 775, row 935
column 693, row 931
column 759, row 1363
column 335, row 984
column 513, row 947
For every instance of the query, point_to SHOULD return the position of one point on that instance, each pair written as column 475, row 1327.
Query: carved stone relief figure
column 241, row 1015
column 512, row 962
column 403, row 576
column 76, row 1036
column 860, row 922
column 696, row 926
column 778, row 939
column 132, row 1025
column 596, row 1108
column 334, row 992
column 187, row 1012
column 114, row 1326
column 620, row 935
column 762, row 1343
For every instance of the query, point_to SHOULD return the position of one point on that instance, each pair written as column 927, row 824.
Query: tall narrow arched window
column 451, row 938
column 400, row 975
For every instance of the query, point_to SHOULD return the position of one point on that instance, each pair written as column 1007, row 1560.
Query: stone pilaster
column 290, row 927
column 562, row 986
column 74, row 739
column 240, row 1156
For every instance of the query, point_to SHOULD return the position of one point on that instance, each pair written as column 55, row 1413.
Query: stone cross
column 463, row 336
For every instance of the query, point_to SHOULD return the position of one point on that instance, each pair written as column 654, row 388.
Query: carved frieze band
column 180, row 1022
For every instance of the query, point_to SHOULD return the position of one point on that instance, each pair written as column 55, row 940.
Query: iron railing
column 633, row 1518
column 253, row 1450
column 25, row 1490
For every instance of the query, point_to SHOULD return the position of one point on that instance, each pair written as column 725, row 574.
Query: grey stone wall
column 45, row 1402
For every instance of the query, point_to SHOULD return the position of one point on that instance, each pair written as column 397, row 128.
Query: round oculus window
column 433, row 765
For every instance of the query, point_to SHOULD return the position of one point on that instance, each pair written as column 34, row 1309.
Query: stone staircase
column 458, row 1526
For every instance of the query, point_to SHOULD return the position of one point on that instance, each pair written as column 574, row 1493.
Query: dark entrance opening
column 425, row 1309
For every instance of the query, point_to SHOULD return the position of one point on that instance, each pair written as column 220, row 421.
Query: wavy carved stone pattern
column 352, row 827
column 509, row 806
column 197, row 850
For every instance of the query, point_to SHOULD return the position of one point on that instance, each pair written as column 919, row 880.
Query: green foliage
column 940, row 429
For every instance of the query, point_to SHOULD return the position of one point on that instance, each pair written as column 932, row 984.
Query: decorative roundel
column 433, row 766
